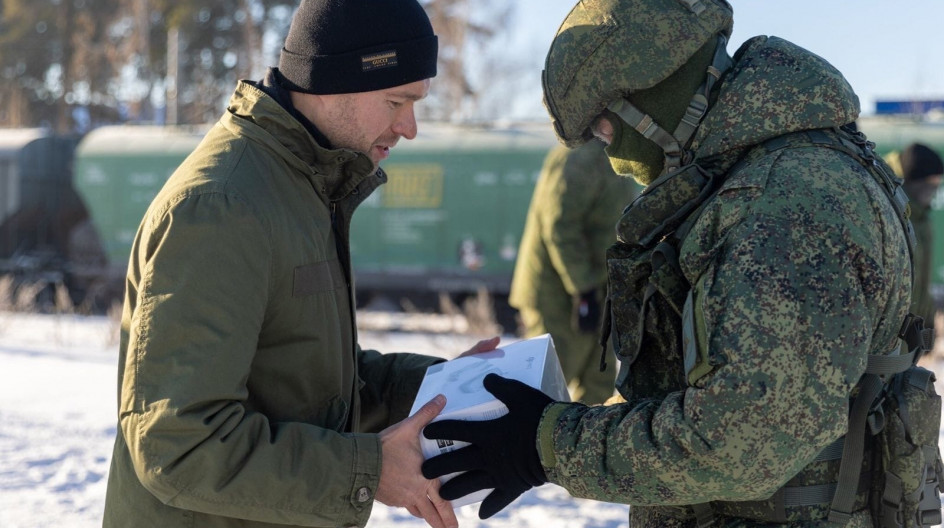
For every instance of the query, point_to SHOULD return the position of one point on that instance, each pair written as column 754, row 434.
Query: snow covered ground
column 58, row 393
column 57, row 423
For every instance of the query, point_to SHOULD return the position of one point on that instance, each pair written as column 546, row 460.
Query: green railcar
column 38, row 206
column 118, row 171
column 451, row 215
column 448, row 220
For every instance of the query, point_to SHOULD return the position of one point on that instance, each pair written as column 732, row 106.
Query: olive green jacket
column 243, row 396
column 922, row 302
column 571, row 221
column 799, row 268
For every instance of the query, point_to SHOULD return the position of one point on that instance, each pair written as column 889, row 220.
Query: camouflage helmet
column 607, row 49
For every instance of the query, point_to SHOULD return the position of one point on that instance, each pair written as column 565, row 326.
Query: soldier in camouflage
column 922, row 171
column 749, row 283
column 560, row 275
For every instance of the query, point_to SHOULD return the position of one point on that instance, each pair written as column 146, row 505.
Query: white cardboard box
column 531, row 361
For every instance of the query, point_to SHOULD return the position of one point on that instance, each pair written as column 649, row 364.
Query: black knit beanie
column 918, row 162
column 348, row 46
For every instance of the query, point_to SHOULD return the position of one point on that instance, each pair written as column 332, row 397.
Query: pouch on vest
column 644, row 274
column 908, row 489
column 897, row 403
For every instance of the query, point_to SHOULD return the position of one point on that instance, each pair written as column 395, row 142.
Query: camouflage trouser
column 654, row 517
column 579, row 353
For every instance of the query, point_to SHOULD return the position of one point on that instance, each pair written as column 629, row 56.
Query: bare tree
column 53, row 59
column 72, row 64
column 221, row 41
column 465, row 28
column 75, row 64
column 31, row 40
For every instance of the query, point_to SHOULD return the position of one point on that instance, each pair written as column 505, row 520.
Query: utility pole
column 142, row 51
column 173, row 39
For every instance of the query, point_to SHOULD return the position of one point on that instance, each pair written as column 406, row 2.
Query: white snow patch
column 58, row 400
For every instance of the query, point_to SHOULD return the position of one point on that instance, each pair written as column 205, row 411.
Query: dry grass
column 6, row 299
column 475, row 316
column 6, row 292
column 114, row 322
column 63, row 301
column 478, row 311
column 25, row 299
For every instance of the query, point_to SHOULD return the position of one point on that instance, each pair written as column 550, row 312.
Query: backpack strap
column 850, row 140
column 853, row 449
column 867, row 410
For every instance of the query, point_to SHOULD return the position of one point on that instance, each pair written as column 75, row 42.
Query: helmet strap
column 695, row 6
column 645, row 125
column 675, row 145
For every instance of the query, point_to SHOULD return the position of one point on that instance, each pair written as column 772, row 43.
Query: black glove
column 503, row 453
column 586, row 314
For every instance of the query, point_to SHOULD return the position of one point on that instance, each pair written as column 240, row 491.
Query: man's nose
column 405, row 125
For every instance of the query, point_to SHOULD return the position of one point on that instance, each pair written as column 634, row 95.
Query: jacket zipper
column 345, row 266
column 339, row 245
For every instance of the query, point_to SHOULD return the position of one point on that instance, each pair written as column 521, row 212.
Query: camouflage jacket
column 799, row 269
column 576, row 202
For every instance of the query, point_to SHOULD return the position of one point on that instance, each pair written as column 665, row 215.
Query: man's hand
column 401, row 483
column 484, row 345
column 503, row 454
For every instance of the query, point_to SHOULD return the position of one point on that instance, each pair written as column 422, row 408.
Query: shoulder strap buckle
column 918, row 338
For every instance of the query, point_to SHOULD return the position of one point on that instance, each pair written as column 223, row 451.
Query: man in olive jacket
column 751, row 283
column 244, row 398
column 560, row 275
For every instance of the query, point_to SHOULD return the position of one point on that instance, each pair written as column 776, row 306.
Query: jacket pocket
column 628, row 280
column 317, row 277
column 647, row 291
column 330, row 414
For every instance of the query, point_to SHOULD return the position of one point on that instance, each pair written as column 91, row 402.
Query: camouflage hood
column 774, row 88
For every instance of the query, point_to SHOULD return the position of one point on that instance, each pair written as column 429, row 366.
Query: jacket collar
column 774, row 88
column 334, row 173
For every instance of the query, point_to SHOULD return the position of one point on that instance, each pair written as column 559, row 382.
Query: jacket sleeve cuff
column 366, row 478
column 545, row 436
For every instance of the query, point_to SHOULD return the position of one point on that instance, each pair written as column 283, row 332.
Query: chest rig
column 653, row 335
column 646, row 289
